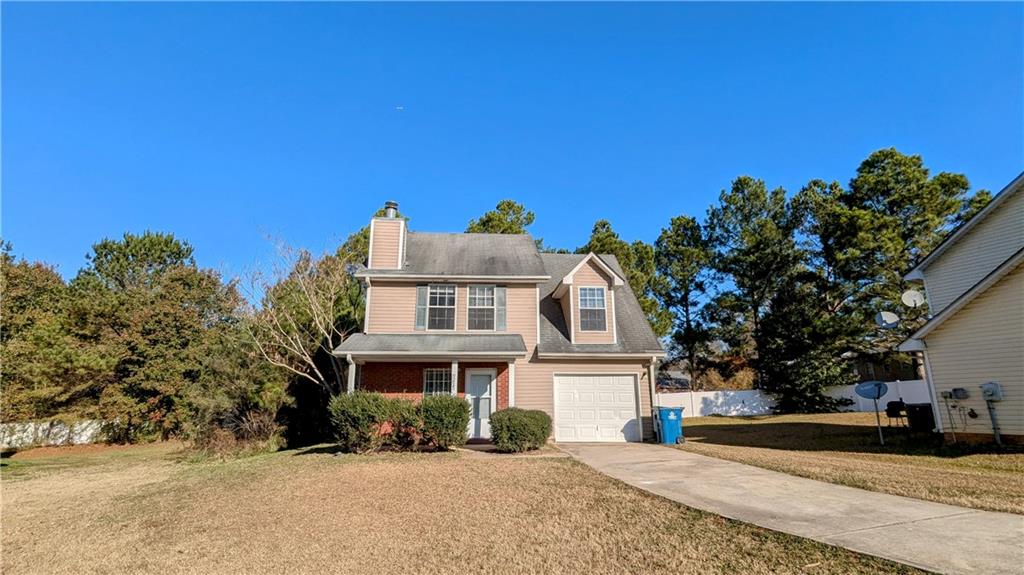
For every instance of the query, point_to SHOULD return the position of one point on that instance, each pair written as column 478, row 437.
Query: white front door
column 596, row 408
column 480, row 394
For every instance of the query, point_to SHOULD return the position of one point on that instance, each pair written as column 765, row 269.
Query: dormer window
column 592, row 309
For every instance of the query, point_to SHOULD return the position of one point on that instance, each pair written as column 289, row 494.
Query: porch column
column 511, row 383
column 455, row 377
column 351, row 384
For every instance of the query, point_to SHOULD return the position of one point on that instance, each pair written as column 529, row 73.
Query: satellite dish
column 871, row 389
column 912, row 298
column 887, row 319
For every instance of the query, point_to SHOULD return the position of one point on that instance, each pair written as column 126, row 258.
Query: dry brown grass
column 843, row 448
column 421, row 513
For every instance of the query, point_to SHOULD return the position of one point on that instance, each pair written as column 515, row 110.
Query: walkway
column 932, row 536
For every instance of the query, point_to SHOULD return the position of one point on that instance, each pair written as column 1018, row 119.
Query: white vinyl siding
column 977, row 253
column 983, row 342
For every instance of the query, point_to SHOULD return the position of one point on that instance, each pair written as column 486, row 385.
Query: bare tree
column 307, row 307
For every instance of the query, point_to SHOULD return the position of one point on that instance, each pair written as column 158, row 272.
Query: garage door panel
column 596, row 408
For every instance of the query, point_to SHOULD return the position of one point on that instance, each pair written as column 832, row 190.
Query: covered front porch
column 480, row 368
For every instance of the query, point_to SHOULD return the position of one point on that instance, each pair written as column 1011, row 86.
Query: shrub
column 515, row 430
column 358, row 419
column 445, row 420
column 405, row 424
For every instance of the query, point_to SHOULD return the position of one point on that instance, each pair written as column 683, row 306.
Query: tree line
column 768, row 289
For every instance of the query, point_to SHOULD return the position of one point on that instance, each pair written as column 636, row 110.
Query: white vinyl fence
column 35, row 433
column 755, row 402
column 913, row 391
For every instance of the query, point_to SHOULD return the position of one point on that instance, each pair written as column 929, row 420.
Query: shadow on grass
column 810, row 436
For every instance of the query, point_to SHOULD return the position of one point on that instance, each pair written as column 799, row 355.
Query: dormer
column 586, row 295
column 387, row 240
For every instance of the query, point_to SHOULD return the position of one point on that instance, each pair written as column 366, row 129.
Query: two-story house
column 490, row 318
column 974, row 285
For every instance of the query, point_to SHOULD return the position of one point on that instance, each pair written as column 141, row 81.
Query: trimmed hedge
column 515, row 430
column 445, row 420
column 358, row 420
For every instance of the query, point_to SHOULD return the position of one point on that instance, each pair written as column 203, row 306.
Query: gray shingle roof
column 632, row 328
column 429, row 343
column 441, row 254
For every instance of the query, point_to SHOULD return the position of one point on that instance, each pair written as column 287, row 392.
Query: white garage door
column 596, row 408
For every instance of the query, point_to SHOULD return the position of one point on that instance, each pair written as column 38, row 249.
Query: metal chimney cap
column 390, row 209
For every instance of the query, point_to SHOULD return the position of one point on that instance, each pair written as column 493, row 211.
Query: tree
column 637, row 262
column 143, row 304
column 508, row 217
column 306, row 311
column 799, row 349
column 753, row 234
column 972, row 206
column 682, row 258
column 863, row 239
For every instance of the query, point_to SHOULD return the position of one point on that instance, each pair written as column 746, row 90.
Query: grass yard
column 843, row 448
column 148, row 510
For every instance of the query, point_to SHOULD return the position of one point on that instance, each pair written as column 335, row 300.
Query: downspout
column 351, row 386
column 651, row 387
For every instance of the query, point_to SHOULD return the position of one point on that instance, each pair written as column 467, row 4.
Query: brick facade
column 405, row 380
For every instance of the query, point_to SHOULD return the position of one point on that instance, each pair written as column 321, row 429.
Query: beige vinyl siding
column 977, row 253
column 983, row 342
column 393, row 309
column 591, row 276
column 535, row 382
column 385, row 243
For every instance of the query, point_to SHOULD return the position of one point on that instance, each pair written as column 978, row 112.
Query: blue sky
column 231, row 123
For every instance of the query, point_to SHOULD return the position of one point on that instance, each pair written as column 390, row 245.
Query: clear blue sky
column 229, row 123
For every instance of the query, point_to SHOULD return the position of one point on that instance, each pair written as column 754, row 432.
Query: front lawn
column 148, row 510
column 843, row 448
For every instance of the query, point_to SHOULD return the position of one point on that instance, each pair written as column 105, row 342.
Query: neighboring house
column 489, row 318
column 884, row 366
column 974, row 283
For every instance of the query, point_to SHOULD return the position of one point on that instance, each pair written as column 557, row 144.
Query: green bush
column 358, row 419
column 445, row 420
column 405, row 423
column 515, row 430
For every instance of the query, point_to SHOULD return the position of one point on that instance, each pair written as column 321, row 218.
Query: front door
column 480, row 394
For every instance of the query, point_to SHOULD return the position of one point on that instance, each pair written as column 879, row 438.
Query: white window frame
column 493, row 307
column 604, row 308
column 446, row 390
column 454, row 307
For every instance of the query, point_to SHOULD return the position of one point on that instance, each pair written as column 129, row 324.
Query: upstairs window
column 481, row 308
column 592, row 311
column 441, row 307
column 437, row 381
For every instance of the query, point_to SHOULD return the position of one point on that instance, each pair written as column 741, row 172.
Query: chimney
column 387, row 240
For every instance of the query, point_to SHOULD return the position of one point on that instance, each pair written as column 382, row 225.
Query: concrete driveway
column 932, row 536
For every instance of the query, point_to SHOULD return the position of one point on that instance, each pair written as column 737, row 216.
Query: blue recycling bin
column 670, row 425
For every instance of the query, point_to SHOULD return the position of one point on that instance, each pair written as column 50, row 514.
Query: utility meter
column 959, row 393
column 991, row 391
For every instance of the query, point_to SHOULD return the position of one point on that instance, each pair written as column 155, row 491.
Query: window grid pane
column 481, row 318
column 592, row 298
column 441, row 307
column 592, row 320
column 481, row 309
column 437, row 381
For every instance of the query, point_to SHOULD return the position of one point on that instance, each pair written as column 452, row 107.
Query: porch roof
column 427, row 345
